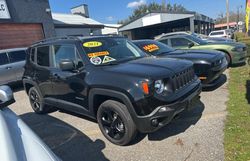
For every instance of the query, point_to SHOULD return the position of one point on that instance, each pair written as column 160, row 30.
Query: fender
column 115, row 94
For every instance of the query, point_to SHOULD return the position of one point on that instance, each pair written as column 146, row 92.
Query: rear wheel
column 37, row 103
column 116, row 123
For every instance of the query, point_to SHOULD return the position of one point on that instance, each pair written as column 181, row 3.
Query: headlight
column 159, row 86
column 238, row 49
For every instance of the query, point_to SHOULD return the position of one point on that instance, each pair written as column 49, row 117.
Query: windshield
column 154, row 47
column 196, row 40
column 108, row 50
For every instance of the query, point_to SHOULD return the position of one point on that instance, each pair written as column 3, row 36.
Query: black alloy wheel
column 112, row 124
column 116, row 123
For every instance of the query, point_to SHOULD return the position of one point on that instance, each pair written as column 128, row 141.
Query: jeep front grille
column 183, row 78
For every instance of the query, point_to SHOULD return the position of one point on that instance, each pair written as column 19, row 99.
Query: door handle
column 8, row 68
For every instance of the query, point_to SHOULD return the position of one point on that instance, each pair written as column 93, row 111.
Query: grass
column 237, row 128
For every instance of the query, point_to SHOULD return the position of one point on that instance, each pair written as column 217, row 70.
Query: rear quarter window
column 42, row 55
column 3, row 59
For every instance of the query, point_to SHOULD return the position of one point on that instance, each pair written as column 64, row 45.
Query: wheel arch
column 97, row 96
column 226, row 52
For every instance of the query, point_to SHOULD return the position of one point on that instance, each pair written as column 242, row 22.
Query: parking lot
column 194, row 135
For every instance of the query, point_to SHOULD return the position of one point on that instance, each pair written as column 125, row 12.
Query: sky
column 110, row 11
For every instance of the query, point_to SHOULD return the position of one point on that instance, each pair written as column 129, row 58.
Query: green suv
column 235, row 52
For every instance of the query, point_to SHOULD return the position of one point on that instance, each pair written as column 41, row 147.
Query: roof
column 62, row 19
column 153, row 18
column 225, row 24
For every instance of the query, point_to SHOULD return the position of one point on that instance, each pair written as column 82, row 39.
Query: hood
column 196, row 55
column 151, row 67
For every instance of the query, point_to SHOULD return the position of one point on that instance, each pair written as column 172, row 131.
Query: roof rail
column 56, row 38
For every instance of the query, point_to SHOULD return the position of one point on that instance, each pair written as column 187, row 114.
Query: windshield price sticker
column 92, row 44
column 151, row 47
column 101, row 53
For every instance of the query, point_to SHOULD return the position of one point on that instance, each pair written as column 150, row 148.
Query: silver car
column 12, row 62
column 17, row 141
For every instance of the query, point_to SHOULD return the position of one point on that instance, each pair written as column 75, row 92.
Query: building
column 223, row 26
column 76, row 23
column 23, row 22
column 155, row 23
column 110, row 29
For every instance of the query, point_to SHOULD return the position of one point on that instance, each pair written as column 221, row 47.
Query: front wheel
column 116, row 123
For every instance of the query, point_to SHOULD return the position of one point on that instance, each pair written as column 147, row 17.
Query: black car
column 208, row 65
column 109, row 79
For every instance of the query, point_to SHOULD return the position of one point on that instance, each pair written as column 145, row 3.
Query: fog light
column 155, row 122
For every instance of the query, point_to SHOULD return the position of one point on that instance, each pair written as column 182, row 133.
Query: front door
column 69, row 87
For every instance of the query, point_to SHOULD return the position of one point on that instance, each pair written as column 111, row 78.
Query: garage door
column 19, row 35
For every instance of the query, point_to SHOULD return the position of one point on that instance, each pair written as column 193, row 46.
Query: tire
column 116, row 123
column 37, row 104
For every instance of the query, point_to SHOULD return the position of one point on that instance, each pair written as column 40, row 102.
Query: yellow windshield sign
column 92, row 44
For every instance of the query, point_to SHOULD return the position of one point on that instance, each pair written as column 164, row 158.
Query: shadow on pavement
column 16, row 87
column 179, row 124
column 248, row 91
column 67, row 142
column 222, row 80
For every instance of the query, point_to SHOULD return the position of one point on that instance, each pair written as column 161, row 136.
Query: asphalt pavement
column 195, row 135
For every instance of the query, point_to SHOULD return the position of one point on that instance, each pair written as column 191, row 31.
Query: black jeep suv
column 111, row 80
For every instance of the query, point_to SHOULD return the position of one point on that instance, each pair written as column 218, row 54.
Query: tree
column 151, row 7
column 233, row 17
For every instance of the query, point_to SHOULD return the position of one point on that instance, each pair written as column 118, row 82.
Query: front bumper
column 162, row 115
column 238, row 57
column 213, row 74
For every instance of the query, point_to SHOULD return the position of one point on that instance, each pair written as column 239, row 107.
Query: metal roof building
column 76, row 23
column 156, row 23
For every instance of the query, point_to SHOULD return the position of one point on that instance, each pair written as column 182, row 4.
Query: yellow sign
column 151, row 47
column 247, row 14
column 92, row 44
column 101, row 53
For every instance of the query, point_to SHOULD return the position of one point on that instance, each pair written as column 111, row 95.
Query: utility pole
column 227, row 14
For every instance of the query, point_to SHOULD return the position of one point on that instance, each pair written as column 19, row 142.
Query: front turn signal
column 145, row 87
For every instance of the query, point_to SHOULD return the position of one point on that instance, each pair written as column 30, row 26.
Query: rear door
column 17, row 61
column 7, row 74
column 42, row 71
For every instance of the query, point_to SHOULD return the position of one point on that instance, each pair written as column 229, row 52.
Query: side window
column 3, row 59
column 62, row 52
column 16, row 56
column 177, row 42
column 43, row 56
column 164, row 41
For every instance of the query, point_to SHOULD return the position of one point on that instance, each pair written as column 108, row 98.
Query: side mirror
column 6, row 96
column 67, row 65
column 191, row 44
